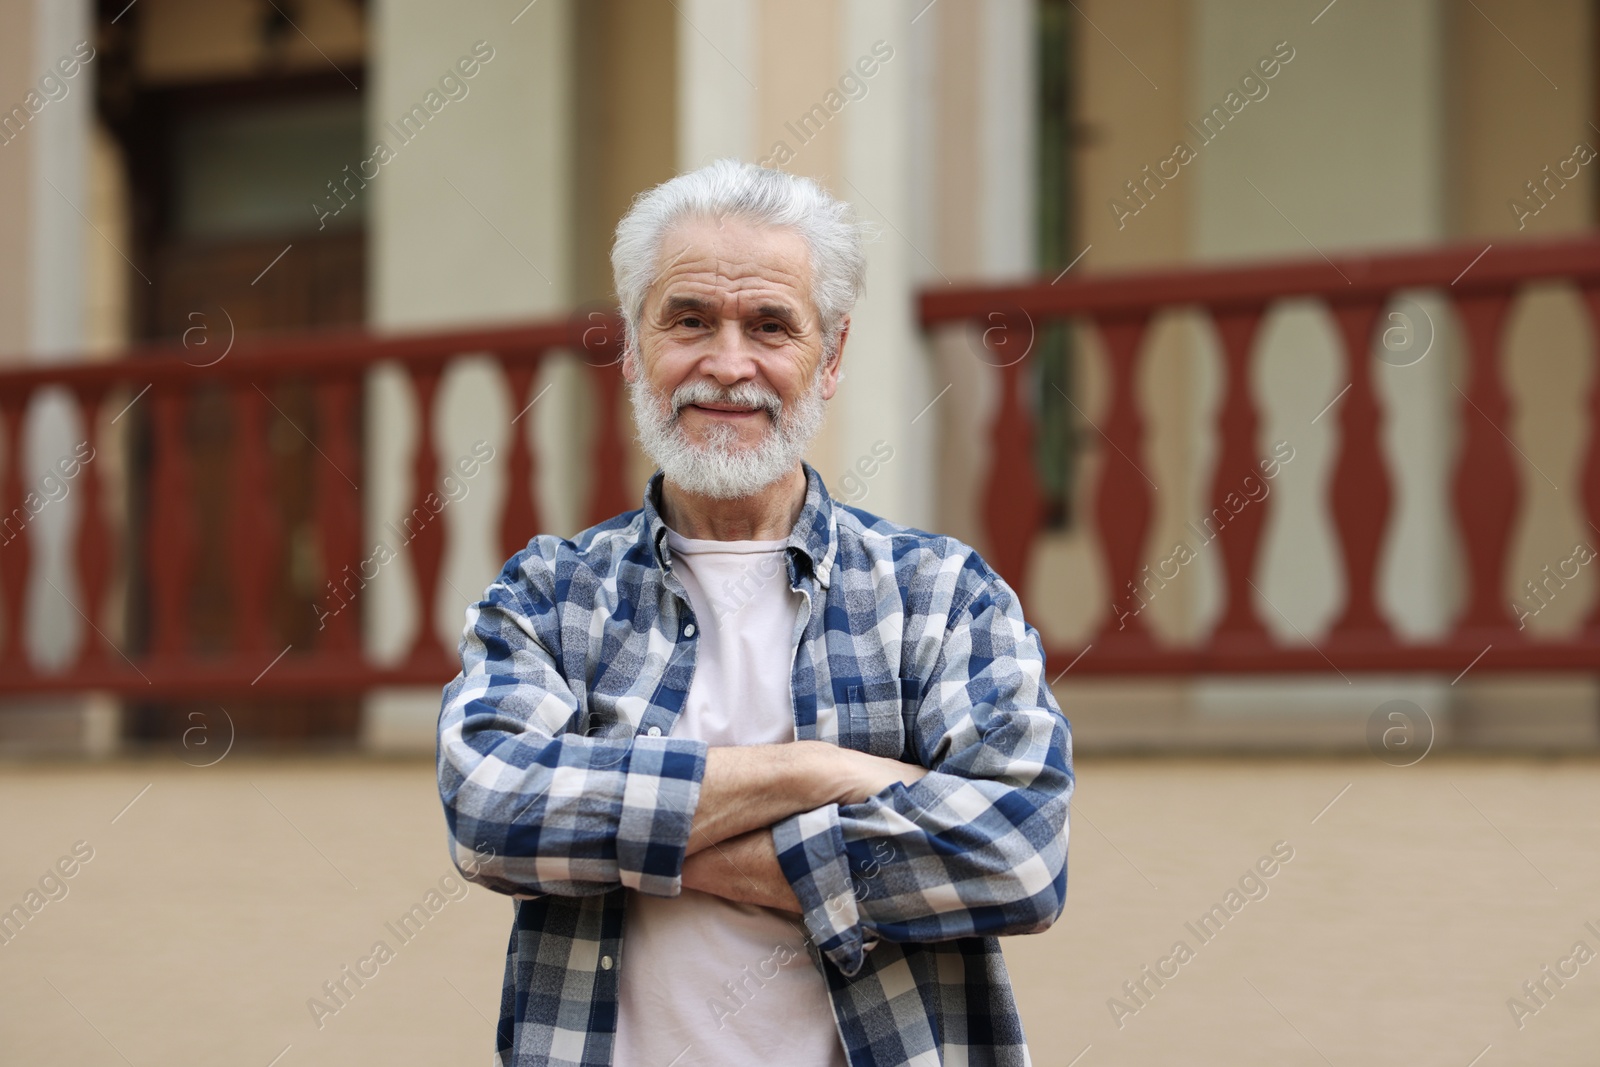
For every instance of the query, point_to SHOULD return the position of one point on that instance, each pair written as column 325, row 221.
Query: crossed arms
column 747, row 789
column 970, row 842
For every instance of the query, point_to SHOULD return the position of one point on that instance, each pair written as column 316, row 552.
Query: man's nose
column 728, row 360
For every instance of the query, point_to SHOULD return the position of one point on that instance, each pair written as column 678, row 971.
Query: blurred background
column 1252, row 342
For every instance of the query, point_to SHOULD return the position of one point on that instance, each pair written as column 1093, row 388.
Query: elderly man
column 766, row 774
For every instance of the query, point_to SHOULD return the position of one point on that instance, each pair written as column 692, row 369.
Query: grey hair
column 762, row 195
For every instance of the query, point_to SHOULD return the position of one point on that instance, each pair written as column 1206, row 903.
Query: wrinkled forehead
column 735, row 262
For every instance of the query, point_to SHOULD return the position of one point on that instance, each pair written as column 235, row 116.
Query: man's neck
column 767, row 515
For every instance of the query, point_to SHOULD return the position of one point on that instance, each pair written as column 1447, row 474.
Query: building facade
column 238, row 170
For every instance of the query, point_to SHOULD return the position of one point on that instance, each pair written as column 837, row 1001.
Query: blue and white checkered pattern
column 562, row 784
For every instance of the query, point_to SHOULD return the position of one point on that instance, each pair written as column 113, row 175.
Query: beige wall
column 18, row 72
column 1393, row 936
column 182, row 40
column 625, row 139
column 965, row 413
column 1128, row 122
column 625, row 133
column 796, row 60
column 1510, row 123
column 958, row 100
column 108, row 282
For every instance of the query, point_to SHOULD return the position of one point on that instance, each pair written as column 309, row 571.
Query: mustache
column 745, row 395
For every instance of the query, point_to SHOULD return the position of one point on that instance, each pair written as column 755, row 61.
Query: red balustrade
column 256, row 536
column 521, row 513
column 16, row 554
column 1012, row 497
column 93, row 550
column 1487, row 480
column 153, row 392
column 1237, row 425
column 162, row 557
column 1591, row 464
column 427, row 542
column 1122, row 494
column 1360, row 488
column 1486, row 487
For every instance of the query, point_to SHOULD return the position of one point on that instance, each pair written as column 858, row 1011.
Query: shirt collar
column 813, row 534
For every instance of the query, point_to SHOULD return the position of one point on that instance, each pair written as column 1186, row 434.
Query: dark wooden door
column 254, row 265
column 209, row 293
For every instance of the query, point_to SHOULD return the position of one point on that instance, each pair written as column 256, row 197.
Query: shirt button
column 605, row 962
column 688, row 631
column 654, row 731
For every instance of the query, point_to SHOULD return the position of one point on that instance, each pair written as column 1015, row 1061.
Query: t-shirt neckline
column 691, row 545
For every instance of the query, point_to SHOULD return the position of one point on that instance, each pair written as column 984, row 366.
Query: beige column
column 46, row 124
column 717, row 81
column 887, row 366
column 975, row 64
column 469, row 226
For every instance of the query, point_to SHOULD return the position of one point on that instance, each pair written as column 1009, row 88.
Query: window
column 1057, row 441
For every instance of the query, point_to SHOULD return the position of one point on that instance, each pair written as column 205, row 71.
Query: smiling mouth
column 726, row 412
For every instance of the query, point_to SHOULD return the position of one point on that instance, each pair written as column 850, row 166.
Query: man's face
column 729, row 383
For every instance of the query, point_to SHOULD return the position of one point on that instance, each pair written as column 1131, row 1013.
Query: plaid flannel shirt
column 562, row 784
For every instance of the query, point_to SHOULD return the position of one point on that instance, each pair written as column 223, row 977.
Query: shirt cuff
column 810, row 849
column 660, row 792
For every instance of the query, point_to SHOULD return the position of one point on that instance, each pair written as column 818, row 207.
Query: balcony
column 1486, row 487
column 202, row 551
column 188, row 637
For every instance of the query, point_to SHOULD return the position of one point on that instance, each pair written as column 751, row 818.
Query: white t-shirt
column 707, row 980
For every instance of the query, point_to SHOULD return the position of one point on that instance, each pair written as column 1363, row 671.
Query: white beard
column 722, row 468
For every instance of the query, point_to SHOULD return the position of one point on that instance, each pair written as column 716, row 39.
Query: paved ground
column 1414, row 906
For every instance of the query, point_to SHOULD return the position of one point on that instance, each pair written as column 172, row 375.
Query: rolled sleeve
column 811, row 853
column 978, row 846
column 541, row 807
column 660, row 793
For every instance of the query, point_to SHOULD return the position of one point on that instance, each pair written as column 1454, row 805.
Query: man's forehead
column 732, row 254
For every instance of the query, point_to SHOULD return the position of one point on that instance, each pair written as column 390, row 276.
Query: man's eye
column 694, row 322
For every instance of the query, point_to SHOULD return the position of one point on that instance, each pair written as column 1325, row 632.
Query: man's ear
column 834, row 373
column 630, row 367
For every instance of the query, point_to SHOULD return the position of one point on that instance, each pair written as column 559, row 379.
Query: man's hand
column 743, row 868
column 750, row 787
column 859, row 775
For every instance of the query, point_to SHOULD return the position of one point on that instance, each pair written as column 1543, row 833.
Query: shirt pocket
column 876, row 715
